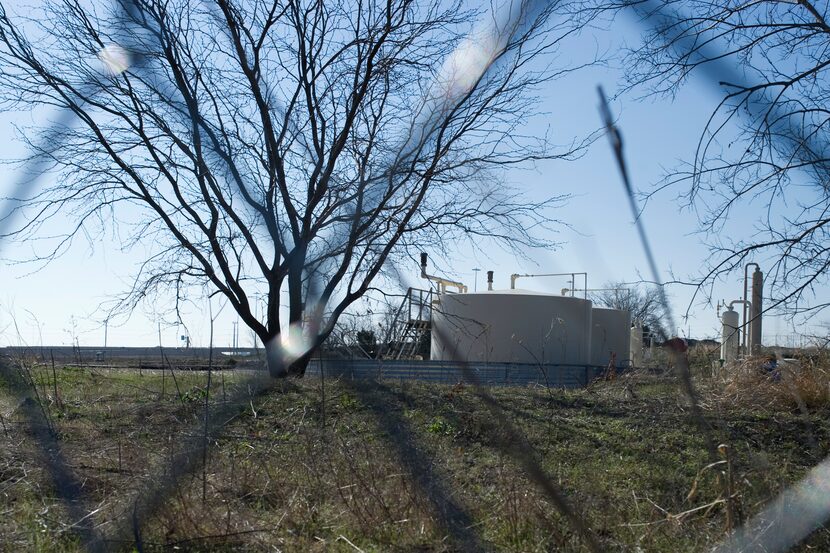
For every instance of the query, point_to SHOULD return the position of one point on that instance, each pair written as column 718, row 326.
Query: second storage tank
column 512, row 326
column 610, row 333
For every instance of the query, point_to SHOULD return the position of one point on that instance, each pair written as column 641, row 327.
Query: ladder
column 411, row 326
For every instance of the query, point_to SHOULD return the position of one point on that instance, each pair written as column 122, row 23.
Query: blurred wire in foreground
column 67, row 487
column 676, row 346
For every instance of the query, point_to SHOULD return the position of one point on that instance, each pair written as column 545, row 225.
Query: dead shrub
column 703, row 359
column 789, row 384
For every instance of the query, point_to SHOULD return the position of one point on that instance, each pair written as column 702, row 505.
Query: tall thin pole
column 475, row 281
column 207, row 406
column 234, row 336
column 161, row 352
column 256, row 315
column 40, row 336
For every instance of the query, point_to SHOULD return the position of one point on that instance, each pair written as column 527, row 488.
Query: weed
column 440, row 426
column 195, row 394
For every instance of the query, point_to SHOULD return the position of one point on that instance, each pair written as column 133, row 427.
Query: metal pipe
column 746, row 303
column 490, row 280
column 754, row 342
column 440, row 281
column 515, row 276
column 744, row 325
column 601, row 289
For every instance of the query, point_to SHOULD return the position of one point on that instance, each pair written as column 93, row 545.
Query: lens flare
column 115, row 59
column 295, row 343
column 289, row 345
column 787, row 520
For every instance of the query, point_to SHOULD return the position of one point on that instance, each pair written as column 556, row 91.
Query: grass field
column 398, row 466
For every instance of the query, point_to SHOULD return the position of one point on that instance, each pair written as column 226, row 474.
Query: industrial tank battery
column 512, row 326
column 610, row 332
column 729, row 341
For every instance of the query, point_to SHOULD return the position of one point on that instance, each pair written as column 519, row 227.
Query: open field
column 391, row 467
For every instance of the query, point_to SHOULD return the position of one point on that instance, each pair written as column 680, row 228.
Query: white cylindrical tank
column 610, row 332
column 512, row 326
column 729, row 339
column 636, row 345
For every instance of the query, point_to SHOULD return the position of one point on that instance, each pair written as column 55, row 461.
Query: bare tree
column 273, row 145
column 764, row 149
column 642, row 301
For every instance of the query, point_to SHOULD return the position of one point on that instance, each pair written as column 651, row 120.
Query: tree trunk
column 278, row 365
column 274, row 358
column 298, row 367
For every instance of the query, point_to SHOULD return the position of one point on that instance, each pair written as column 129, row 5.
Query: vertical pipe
column 490, row 280
column 744, row 310
column 755, row 310
column 745, row 327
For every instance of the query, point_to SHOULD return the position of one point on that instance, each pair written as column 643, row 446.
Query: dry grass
column 389, row 465
column 793, row 385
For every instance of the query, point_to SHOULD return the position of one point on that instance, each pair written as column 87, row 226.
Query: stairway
column 409, row 335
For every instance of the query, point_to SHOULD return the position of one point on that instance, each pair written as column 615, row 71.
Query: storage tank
column 512, row 326
column 636, row 345
column 729, row 341
column 610, row 332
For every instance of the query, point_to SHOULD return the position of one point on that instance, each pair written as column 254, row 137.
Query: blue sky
column 60, row 300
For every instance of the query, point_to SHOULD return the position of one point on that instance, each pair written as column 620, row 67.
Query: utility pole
column 475, row 281
column 161, row 350
column 40, row 337
column 260, row 312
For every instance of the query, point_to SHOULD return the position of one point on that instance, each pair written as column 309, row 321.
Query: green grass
column 377, row 468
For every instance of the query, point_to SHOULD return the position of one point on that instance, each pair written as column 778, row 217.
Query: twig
column 345, row 539
column 220, row 536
